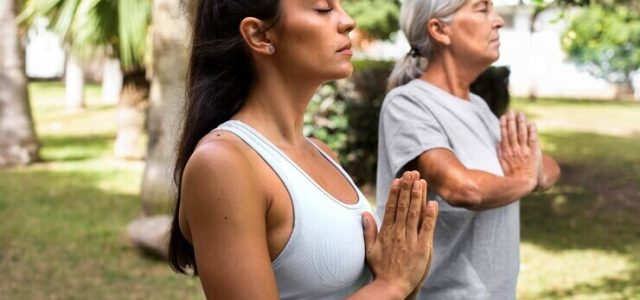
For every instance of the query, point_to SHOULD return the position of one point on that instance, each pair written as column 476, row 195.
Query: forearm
column 482, row 190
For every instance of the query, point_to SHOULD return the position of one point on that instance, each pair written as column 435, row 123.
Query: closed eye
column 324, row 10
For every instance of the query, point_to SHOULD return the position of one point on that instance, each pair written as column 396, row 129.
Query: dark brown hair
column 219, row 77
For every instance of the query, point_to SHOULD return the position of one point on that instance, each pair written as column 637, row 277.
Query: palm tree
column 116, row 28
column 18, row 142
column 167, row 96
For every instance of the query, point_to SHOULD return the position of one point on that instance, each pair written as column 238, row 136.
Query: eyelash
column 324, row 11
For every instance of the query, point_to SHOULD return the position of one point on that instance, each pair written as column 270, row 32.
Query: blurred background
column 91, row 93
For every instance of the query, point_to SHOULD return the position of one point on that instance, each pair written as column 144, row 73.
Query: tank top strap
column 289, row 172
column 271, row 154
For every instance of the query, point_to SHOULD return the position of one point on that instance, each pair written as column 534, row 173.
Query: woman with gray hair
column 478, row 166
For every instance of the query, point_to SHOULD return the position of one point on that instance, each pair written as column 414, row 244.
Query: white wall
column 539, row 65
column 44, row 53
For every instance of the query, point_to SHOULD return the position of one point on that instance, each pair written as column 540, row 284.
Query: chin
column 493, row 58
column 342, row 73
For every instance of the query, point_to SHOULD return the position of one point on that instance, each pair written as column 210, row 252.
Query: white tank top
column 324, row 257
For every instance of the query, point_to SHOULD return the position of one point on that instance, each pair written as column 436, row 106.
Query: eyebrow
column 479, row 3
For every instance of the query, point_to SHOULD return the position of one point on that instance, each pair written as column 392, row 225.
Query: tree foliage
column 378, row 19
column 90, row 26
column 605, row 41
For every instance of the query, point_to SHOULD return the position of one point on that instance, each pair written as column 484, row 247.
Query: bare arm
column 478, row 190
column 472, row 189
column 225, row 212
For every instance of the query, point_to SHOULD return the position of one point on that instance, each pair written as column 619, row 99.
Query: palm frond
column 134, row 17
column 32, row 9
column 117, row 27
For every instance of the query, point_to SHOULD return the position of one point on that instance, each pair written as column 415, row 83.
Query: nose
column 499, row 21
column 347, row 23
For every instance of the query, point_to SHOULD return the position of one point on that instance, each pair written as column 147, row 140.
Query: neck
column 450, row 74
column 275, row 106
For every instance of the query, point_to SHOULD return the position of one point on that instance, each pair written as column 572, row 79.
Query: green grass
column 63, row 220
column 581, row 240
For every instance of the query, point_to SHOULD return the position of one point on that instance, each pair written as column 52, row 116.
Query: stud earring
column 271, row 49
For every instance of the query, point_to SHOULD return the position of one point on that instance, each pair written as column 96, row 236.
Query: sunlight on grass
column 565, row 274
column 613, row 118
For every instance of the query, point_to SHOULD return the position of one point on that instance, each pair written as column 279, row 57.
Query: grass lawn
column 63, row 219
column 581, row 240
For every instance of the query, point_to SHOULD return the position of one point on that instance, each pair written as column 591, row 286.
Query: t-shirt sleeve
column 409, row 128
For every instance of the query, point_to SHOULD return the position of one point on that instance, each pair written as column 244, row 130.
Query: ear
column 256, row 39
column 439, row 31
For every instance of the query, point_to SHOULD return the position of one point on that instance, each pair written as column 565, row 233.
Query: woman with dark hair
column 263, row 212
column 478, row 166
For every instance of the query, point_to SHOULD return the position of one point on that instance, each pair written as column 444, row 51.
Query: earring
column 271, row 49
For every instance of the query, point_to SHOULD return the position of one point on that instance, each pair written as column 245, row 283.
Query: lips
column 346, row 48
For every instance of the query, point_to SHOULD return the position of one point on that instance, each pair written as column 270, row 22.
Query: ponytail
column 406, row 69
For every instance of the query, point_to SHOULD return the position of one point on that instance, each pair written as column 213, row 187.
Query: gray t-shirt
column 476, row 254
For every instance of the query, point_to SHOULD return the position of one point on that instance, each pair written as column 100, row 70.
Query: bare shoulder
column 218, row 172
column 325, row 149
column 223, row 213
column 218, row 153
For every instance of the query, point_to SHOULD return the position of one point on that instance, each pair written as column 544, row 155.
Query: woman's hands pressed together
column 400, row 253
column 519, row 151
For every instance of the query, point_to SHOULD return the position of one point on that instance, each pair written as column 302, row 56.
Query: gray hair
column 414, row 16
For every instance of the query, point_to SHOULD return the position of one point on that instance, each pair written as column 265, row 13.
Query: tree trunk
column 131, row 115
column 74, row 84
column 167, row 98
column 625, row 91
column 18, row 141
column 111, row 81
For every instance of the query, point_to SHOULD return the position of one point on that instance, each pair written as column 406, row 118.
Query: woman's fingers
column 523, row 135
column 423, row 203
column 505, row 144
column 504, row 138
column 533, row 136
column 506, row 168
column 370, row 230
column 404, row 200
column 512, row 132
column 429, row 223
column 402, row 253
column 415, row 208
column 392, row 202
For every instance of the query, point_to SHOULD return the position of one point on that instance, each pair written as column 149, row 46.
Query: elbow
column 466, row 195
